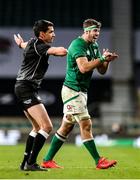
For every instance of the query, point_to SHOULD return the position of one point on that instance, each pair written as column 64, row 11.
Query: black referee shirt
column 35, row 62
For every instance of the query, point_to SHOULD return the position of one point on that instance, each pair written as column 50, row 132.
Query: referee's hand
column 18, row 39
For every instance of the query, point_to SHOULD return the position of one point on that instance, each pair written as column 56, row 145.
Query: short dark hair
column 41, row 25
column 91, row 22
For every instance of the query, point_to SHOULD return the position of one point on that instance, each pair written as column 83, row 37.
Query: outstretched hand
column 18, row 39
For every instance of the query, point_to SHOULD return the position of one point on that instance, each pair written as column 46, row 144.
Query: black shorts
column 27, row 94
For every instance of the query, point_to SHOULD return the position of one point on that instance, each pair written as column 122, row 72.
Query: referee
column 30, row 75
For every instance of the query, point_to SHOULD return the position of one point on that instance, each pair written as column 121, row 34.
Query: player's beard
column 94, row 40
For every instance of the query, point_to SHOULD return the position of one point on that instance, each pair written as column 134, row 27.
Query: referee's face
column 48, row 36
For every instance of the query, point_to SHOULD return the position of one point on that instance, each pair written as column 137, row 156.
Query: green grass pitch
column 76, row 161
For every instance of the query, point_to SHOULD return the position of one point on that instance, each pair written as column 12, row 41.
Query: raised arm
column 19, row 41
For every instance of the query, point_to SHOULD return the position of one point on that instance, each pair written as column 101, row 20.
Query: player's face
column 49, row 35
column 94, row 34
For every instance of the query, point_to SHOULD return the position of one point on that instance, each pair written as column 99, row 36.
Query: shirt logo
column 28, row 101
column 95, row 51
column 38, row 97
column 69, row 107
column 88, row 52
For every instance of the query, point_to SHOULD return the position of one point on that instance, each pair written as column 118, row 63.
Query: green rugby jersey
column 74, row 78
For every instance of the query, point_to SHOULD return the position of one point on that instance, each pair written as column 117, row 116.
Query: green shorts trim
column 71, row 99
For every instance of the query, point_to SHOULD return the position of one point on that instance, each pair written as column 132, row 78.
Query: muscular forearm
column 86, row 66
column 103, row 68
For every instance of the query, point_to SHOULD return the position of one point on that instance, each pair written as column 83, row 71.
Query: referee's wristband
column 102, row 59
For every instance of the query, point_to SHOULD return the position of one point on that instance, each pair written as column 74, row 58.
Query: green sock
column 55, row 145
column 91, row 147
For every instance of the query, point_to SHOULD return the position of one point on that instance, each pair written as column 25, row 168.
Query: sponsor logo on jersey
column 28, row 101
column 38, row 97
column 69, row 107
column 95, row 51
column 88, row 52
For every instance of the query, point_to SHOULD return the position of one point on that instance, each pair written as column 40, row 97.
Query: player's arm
column 85, row 66
column 100, row 63
column 57, row 51
column 103, row 68
column 19, row 41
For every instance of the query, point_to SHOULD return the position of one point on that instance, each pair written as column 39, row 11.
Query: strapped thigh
column 73, row 118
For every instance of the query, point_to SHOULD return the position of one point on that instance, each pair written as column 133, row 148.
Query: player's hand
column 109, row 56
column 18, row 39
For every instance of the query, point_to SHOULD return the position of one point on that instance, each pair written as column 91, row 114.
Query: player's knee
column 67, row 125
column 36, row 128
column 49, row 129
column 87, row 127
column 69, row 118
column 68, row 128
